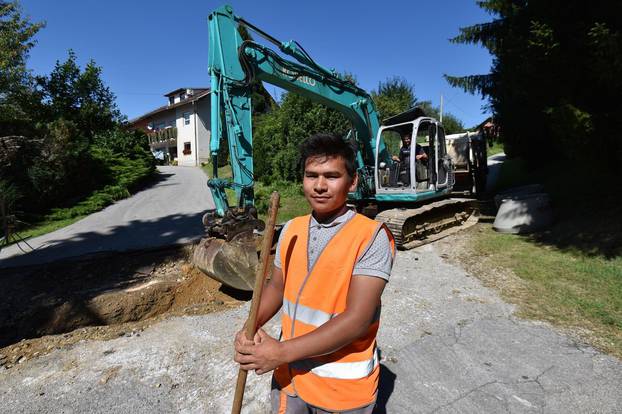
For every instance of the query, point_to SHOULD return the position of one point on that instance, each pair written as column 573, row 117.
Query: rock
column 524, row 214
column 517, row 192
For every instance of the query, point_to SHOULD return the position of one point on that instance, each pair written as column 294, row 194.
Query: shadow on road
column 136, row 234
column 385, row 387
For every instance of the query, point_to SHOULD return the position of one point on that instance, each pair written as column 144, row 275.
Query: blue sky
column 148, row 48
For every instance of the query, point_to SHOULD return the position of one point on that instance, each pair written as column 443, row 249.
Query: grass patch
column 565, row 287
column 47, row 226
column 293, row 202
column 572, row 272
column 497, row 148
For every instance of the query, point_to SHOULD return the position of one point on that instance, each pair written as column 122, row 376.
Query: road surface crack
column 462, row 396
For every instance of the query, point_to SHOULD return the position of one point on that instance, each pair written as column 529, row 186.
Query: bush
column 286, row 190
column 63, row 169
column 127, row 143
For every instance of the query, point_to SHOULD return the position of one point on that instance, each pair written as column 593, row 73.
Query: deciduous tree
column 393, row 96
column 16, row 83
column 80, row 96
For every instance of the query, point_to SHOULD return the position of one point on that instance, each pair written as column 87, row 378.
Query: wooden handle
column 260, row 276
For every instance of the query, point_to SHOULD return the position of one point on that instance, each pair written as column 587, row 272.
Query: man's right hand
column 241, row 342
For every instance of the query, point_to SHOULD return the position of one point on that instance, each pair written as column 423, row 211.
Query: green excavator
column 412, row 196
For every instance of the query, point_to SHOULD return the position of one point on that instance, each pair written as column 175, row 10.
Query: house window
column 182, row 96
column 186, row 118
column 171, row 123
column 187, row 150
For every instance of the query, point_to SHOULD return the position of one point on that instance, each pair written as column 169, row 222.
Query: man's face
column 326, row 184
column 406, row 140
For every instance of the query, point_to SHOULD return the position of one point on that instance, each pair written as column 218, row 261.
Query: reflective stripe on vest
column 306, row 314
column 338, row 370
column 310, row 316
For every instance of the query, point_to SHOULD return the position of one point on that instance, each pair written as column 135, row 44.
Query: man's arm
column 271, row 297
column 362, row 301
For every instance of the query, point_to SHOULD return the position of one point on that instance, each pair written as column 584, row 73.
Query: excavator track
column 422, row 225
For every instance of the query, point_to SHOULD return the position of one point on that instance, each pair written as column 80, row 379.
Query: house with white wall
column 180, row 130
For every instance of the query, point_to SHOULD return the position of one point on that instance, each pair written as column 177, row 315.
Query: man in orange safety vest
column 330, row 270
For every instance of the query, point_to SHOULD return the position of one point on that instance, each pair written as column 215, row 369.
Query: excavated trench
column 47, row 307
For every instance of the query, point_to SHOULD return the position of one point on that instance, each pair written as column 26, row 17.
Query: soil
column 49, row 307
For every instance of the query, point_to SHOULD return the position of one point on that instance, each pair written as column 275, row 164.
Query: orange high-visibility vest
column 347, row 378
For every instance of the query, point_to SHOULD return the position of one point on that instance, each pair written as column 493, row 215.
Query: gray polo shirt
column 376, row 261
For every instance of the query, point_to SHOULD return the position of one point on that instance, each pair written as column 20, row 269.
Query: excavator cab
column 418, row 165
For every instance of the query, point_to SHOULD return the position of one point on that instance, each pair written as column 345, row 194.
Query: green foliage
column 126, row 143
column 393, row 96
column 9, row 195
column 79, row 96
column 124, row 174
column 62, row 169
column 286, row 190
column 61, row 140
column 16, row 40
column 278, row 134
column 556, row 77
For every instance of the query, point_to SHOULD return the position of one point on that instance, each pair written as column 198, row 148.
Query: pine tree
column 556, row 77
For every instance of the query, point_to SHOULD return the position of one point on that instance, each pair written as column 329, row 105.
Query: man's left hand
column 264, row 356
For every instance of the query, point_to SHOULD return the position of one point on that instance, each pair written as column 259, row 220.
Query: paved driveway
column 167, row 213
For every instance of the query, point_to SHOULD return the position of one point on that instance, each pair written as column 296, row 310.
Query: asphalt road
column 166, row 213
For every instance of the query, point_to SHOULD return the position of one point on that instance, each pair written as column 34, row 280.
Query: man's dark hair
column 328, row 145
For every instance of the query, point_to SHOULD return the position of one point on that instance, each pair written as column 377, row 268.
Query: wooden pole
column 260, row 276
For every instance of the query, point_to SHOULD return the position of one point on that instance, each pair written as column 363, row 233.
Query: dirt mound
column 100, row 298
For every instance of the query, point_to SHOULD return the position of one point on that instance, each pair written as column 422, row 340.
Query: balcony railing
column 163, row 137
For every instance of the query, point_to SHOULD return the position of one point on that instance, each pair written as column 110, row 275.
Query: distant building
column 180, row 130
column 489, row 130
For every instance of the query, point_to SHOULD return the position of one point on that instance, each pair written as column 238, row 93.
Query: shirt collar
column 336, row 221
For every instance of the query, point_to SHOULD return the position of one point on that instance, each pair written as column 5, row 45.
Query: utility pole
column 441, row 109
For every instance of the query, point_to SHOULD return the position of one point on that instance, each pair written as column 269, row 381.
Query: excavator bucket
column 233, row 263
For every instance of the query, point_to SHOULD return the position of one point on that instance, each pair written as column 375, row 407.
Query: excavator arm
column 229, row 252
column 234, row 63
